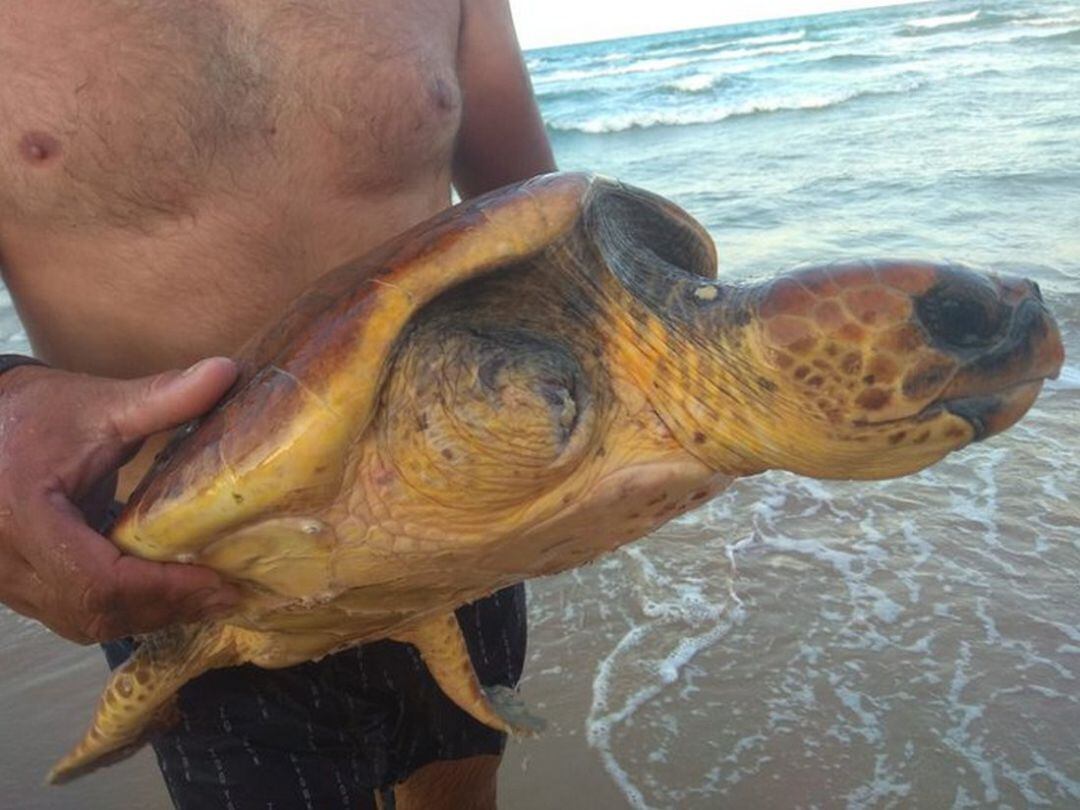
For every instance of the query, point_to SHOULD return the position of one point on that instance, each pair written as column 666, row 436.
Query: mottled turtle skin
column 520, row 385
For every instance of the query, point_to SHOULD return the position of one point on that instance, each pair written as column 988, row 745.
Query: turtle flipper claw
column 509, row 706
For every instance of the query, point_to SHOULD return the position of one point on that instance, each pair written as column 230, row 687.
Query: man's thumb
column 151, row 404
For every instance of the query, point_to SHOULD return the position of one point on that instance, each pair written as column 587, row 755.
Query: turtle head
column 878, row 369
column 848, row 370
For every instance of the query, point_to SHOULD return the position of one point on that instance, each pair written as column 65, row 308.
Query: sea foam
column 944, row 21
column 646, row 119
column 698, row 83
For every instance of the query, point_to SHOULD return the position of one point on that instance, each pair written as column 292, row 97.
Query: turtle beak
column 1004, row 343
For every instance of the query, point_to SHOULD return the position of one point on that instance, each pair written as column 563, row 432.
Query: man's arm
column 502, row 138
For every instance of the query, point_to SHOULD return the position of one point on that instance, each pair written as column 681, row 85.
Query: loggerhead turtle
column 518, row 386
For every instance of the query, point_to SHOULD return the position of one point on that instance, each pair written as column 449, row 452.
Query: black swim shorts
column 328, row 734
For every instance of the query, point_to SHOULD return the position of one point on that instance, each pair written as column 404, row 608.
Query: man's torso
column 172, row 173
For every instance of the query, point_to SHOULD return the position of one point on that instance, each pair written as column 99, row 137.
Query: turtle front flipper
column 443, row 649
column 140, row 694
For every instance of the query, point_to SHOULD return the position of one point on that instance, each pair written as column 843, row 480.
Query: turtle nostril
column 1035, row 291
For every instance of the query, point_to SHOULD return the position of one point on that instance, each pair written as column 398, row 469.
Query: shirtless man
column 172, row 173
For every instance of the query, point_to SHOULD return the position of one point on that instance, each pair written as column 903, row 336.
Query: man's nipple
column 443, row 95
column 39, row 148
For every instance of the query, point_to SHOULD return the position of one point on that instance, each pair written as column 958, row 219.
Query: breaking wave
column 748, row 43
column 657, row 65
column 956, row 22
column 945, row 21
column 697, row 83
column 772, row 39
column 647, row 119
column 930, row 24
column 644, row 66
column 1052, row 21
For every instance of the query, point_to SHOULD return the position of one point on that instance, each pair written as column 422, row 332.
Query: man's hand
column 62, row 438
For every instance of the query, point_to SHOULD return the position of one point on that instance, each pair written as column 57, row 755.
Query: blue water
column 938, row 129
column 799, row 644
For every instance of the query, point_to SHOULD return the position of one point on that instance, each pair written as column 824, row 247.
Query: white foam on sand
column 678, row 610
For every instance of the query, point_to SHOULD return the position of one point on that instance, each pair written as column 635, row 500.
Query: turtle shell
column 279, row 441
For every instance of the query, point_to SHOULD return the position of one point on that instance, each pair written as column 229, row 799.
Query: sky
column 541, row 23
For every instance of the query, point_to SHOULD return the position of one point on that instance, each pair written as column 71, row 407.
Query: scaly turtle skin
column 520, row 385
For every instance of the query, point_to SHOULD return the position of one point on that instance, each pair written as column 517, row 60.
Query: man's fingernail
column 200, row 364
column 192, row 369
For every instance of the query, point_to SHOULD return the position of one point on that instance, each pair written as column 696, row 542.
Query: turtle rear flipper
column 442, row 646
column 140, row 696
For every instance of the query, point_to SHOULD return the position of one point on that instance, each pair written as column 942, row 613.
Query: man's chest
column 122, row 107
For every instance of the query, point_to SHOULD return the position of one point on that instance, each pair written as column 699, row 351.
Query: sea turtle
column 519, row 385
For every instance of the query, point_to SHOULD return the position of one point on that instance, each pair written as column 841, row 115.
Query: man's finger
column 151, row 595
column 152, row 404
column 110, row 594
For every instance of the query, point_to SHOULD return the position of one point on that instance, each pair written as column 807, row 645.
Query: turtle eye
column 963, row 312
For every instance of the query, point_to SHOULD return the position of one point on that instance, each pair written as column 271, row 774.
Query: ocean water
column 793, row 644
column 800, row 644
